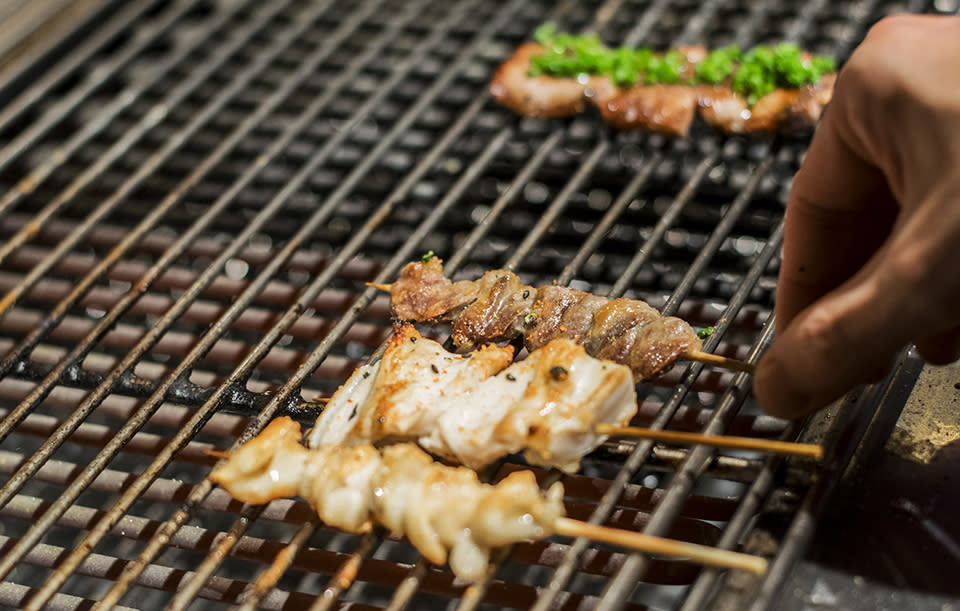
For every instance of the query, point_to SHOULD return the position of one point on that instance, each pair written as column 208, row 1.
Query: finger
column 941, row 348
column 847, row 338
column 839, row 213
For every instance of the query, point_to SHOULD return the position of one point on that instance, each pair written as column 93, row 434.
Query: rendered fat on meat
column 475, row 410
column 401, row 394
column 446, row 512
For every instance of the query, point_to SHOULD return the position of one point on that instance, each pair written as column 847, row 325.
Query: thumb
column 848, row 337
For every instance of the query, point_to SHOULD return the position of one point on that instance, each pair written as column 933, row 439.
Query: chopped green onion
column 427, row 256
column 752, row 74
column 705, row 332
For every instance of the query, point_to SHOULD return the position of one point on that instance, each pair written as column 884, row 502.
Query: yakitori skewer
column 498, row 307
column 446, row 512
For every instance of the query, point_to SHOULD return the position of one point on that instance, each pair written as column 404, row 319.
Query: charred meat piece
column 629, row 332
column 446, row 512
column 544, row 96
column 781, row 110
column 478, row 409
column 667, row 109
column 786, row 89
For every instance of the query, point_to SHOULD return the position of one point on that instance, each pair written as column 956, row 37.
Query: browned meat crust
column 543, row 96
column 667, row 109
column 499, row 307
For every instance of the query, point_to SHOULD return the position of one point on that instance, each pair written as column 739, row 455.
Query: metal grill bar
column 622, row 585
column 153, row 118
column 202, row 304
column 149, row 339
column 95, row 125
column 30, row 98
column 681, row 484
column 56, row 316
column 186, row 594
column 252, row 290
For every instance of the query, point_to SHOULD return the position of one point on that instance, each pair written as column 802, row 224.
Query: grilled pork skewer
column 499, row 307
column 473, row 409
column 667, row 107
column 446, row 512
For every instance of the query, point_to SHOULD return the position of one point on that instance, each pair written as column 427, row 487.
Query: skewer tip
column 649, row 544
column 381, row 286
column 770, row 446
column 720, row 361
column 218, row 453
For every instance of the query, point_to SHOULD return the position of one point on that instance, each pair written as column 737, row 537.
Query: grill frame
column 177, row 387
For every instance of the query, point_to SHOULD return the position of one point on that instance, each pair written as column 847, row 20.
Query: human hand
column 871, row 254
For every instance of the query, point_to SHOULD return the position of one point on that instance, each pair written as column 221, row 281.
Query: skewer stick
column 218, row 453
column 719, row 361
column 702, row 554
column 783, row 448
column 692, row 355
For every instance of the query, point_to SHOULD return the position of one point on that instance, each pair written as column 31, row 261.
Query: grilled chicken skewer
column 446, row 512
column 499, row 307
column 473, row 409
column 667, row 107
column 557, row 405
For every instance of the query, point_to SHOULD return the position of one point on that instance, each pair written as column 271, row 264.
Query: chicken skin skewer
column 446, row 512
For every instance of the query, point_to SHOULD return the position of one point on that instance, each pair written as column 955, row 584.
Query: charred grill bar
column 191, row 201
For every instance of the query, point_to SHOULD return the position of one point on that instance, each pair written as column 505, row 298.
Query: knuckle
column 910, row 274
column 892, row 28
column 820, row 331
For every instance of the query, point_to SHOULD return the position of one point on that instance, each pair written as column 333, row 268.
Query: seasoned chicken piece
column 429, row 295
column 667, row 109
column 544, row 96
column 275, row 465
column 780, row 110
column 446, row 512
column 400, row 395
column 504, row 308
column 569, row 395
column 475, row 410
column 502, row 303
column 269, row 466
column 663, row 108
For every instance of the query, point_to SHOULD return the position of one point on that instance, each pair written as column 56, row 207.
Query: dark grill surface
column 192, row 200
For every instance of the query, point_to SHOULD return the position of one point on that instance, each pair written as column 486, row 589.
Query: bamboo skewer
column 701, row 554
column 719, row 361
column 648, row 544
column 782, row 448
column 693, row 355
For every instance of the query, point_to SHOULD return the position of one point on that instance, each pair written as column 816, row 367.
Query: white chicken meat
column 446, row 512
column 475, row 408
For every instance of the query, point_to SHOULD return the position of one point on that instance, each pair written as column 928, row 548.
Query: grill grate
column 192, row 201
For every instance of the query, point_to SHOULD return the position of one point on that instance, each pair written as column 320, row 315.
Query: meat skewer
column 557, row 405
column 446, row 512
column 476, row 408
column 765, row 89
column 499, row 307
